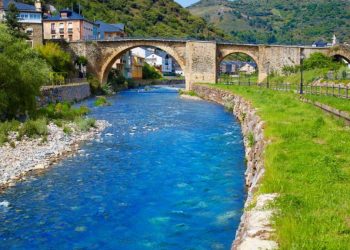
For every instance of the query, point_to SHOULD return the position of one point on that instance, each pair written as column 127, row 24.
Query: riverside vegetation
column 307, row 163
column 22, row 73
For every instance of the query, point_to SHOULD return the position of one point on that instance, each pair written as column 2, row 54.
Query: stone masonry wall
column 255, row 228
column 64, row 93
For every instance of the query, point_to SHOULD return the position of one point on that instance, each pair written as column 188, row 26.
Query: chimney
column 38, row 6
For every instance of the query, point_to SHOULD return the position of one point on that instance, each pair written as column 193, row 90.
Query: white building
column 154, row 60
column 247, row 68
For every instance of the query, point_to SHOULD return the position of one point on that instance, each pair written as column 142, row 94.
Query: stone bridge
column 200, row 60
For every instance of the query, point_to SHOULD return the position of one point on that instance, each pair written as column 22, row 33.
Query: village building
column 70, row 26
column 30, row 16
column 106, row 31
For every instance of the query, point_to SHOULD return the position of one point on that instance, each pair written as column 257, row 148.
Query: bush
column 95, row 85
column 101, row 101
column 34, row 128
column 321, row 61
column 6, row 128
column 149, row 72
column 85, row 124
column 59, row 60
column 62, row 111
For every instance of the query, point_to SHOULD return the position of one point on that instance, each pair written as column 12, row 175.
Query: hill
column 144, row 18
column 278, row 21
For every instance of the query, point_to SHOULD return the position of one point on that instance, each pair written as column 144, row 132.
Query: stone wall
column 64, row 93
column 145, row 82
column 255, row 228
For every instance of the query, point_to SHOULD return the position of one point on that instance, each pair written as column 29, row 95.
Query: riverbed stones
column 37, row 155
column 255, row 230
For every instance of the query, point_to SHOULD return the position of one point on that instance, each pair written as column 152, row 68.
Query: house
column 248, row 68
column 70, row 26
column 156, row 61
column 319, row 44
column 107, row 31
column 230, row 67
column 30, row 16
column 137, row 63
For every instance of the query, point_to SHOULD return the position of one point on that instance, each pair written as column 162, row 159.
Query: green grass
column 34, row 128
column 84, row 124
column 338, row 103
column 308, row 163
column 187, row 92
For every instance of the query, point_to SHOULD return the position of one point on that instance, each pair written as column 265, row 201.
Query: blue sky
column 186, row 3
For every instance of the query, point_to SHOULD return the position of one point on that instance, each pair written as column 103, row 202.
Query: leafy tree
column 15, row 27
column 60, row 61
column 319, row 60
column 22, row 73
column 149, row 72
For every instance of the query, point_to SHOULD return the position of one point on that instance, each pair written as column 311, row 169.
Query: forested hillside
column 150, row 18
column 278, row 21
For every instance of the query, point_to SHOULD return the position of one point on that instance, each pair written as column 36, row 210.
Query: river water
column 169, row 174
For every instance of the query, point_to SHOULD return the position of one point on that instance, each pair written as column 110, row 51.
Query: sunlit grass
column 308, row 163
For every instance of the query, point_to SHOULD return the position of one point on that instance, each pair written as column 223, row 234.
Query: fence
column 336, row 90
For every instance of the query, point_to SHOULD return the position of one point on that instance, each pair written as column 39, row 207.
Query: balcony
column 61, row 30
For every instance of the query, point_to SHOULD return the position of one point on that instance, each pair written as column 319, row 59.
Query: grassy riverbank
column 335, row 102
column 308, row 163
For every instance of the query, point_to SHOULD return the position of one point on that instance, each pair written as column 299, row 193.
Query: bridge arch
column 340, row 52
column 111, row 53
column 250, row 50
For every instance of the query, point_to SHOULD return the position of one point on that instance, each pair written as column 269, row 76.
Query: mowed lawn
column 308, row 163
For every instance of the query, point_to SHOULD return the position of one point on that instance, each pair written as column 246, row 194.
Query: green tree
column 22, row 73
column 60, row 61
column 15, row 27
column 149, row 72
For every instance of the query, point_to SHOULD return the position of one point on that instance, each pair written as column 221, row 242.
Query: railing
column 340, row 91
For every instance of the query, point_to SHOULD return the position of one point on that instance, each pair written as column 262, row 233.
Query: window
column 62, row 36
column 30, row 43
column 53, row 37
column 70, row 38
column 29, row 31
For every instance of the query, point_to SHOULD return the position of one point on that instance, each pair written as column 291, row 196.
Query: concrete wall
column 64, row 93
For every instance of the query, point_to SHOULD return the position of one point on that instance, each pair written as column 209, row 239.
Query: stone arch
column 252, row 52
column 340, row 52
column 112, row 52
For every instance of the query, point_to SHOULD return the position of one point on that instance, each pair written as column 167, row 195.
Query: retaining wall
column 64, row 93
column 255, row 229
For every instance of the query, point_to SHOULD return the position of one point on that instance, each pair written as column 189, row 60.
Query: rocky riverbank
column 21, row 157
column 255, row 230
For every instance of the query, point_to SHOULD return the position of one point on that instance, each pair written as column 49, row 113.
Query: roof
column 106, row 27
column 71, row 15
column 20, row 6
column 320, row 43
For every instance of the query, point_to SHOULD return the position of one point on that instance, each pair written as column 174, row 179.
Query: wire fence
column 335, row 90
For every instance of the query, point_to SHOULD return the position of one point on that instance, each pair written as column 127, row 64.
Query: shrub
column 251, row 139
column 95, row 85
column 67, row 130
column 149, row 72
column 101, row 101
column 85, row 124
column 62, row 111
column 34, row 128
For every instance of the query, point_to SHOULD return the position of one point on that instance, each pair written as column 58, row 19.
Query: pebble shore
column 34, row 154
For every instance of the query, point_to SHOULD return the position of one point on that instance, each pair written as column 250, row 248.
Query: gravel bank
column 34, row 154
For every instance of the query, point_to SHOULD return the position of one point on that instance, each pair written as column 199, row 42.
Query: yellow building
column 137, row 63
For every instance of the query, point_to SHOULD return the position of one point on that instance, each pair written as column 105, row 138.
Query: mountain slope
column 157, row 18
column 278, row 21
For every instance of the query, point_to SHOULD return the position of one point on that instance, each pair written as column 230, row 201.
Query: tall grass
column 308, row 163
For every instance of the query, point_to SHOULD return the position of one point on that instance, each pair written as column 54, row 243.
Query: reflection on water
column 169, row 174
